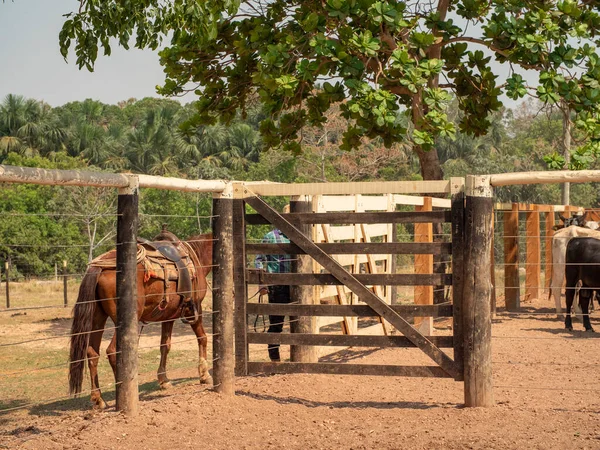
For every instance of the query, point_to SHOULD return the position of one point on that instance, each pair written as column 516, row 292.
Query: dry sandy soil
column 546, row 392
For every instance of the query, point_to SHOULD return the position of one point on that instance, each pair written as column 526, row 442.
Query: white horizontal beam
column 360, row 187
column 181, row 184
column 545, row 177
column 14, row 174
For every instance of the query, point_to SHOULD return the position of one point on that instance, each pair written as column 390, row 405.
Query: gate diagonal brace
column 345, row 277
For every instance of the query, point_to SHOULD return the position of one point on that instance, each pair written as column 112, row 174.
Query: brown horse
column 96, row 303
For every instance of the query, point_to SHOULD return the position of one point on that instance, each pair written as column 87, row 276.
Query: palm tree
column 29, row 127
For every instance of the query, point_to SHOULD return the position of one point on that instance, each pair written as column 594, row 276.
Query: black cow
column 582, row 264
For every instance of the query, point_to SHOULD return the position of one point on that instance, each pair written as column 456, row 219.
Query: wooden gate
column 294, row 226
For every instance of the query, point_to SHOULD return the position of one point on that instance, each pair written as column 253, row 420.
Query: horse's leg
column 111, row 354
column 93, row 354
column 165, row 346
column 198, row 328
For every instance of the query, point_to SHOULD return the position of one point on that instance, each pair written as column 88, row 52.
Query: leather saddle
column 171, row 248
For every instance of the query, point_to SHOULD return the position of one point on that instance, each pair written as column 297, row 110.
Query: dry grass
column 38, row 293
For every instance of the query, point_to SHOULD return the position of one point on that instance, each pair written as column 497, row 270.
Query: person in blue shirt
column 276, row 293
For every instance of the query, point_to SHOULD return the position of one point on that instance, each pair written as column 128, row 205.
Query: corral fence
column 329, row 270
column 470, row 217
column 523, row 240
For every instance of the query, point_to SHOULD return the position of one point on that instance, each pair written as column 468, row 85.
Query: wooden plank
column 341, row 297
column 347, row 188
column 348, row 369
column 336, row 203
column 326, row 321
column 340, row 233
column 548, row 259
column 347, row 218
column 423, row 295
column 458, row 244
column 339, row 340
column 301, row 294
column 359, row 289
column 352, row 248
column 318, row 279
column 372, row 268
column 533, row 279
column 373, row 203
column 286, row 309
column 511, row 258
column 377, row 230
column 240, row 288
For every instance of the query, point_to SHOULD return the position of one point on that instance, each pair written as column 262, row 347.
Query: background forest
column 44, row 225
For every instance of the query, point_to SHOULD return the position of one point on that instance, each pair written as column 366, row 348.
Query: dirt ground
column 546, row 392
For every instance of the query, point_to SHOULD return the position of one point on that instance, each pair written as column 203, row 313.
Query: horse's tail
column 83, row 314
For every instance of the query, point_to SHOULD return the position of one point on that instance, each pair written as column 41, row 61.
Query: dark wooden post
column 302, row 295
column 458, row 267
column 240, row 287
column 127, row 318
column 512, row 293
column 223, row 295
column 493, row 267
column 66, row 299
column 394, row 265
column 477, row 321
column 7, row 270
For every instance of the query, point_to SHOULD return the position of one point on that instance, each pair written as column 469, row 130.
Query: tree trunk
column 566, row 144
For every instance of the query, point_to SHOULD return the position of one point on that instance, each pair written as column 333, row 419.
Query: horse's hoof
column 206, row 380
column 569, row 328
column 590, row 330
column 99, row 405
column 165, row 385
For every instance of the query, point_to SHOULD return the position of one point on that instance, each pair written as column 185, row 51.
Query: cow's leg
column 570, row 294
column 558, row 275
column 165, row 346
column 576, row 302
column 584, row 299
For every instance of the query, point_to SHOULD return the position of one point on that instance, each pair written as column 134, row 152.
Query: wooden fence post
column 477, row 321
column 511, row 259
column 533, row 282
column 493, row 267
column 127, row 392
column 7, row 270
column 239, row 286
column 223, row 294
column 302, row 295
column 424, row 265
column 66, row 299
column 548, row 259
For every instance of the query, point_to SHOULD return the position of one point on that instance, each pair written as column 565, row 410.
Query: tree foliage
column 375, row 59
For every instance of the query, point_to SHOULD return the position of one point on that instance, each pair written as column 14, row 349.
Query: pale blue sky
column 31, row 63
